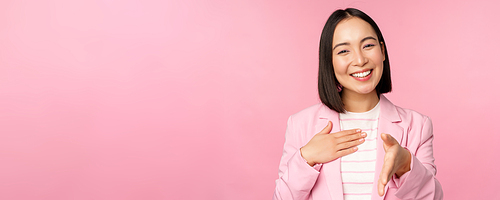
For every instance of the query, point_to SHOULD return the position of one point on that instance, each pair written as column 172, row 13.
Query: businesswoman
column 356, row 144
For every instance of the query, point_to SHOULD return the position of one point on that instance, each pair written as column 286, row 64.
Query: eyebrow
column 346, row 43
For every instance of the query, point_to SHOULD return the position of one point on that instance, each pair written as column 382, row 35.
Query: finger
column 388, row 140
column 327, row 129
column 387, row 171
column 347, row 132
column 352, row 137
column 346, row 152
column 350, row 144
column 381, row 188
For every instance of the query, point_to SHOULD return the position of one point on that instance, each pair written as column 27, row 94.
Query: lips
column 362, row 74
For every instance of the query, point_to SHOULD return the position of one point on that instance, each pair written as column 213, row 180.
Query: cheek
column 378, row 57
column 340, row 66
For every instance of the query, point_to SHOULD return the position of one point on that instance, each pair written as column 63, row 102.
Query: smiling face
column 357, row 57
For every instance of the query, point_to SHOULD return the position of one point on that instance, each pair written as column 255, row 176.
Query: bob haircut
column 327, row 81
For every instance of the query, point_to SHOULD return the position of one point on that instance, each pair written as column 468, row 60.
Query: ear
column 382, row 47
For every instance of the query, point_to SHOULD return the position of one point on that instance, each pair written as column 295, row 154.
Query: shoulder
column 309, row 113
column 412, row 116
column 398, row 114
column 304, row 124
column 307, row 119
column 418, row 126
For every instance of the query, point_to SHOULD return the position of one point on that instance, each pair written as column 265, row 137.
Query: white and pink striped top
column 358, row 169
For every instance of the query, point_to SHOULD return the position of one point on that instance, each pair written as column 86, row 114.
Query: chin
column 365, row 90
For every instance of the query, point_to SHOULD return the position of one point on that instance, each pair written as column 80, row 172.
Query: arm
column 296, row 177
column 420, row 182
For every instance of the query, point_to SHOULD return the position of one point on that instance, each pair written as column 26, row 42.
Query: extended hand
column 397, row 161
column 325, row 146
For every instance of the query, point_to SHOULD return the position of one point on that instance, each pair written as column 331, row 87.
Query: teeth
column 362, row 74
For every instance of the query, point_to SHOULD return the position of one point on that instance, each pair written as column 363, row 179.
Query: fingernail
column 363, row 134
column 355, row 148
column 358, row 130
column 361, row 140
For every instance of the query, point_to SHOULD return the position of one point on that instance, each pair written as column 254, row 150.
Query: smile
column 362, row 74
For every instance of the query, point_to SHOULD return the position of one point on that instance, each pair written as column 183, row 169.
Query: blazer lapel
column 388, row 123
column 331, row 170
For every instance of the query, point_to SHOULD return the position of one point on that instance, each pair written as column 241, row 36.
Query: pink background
column 106, row 99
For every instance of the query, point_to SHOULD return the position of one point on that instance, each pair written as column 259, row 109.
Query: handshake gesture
column 325, row 147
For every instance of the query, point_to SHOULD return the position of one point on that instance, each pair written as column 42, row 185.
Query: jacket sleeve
column 420, row 182
column 296, row 177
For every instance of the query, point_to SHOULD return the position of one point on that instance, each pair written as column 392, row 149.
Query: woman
column 356, row 144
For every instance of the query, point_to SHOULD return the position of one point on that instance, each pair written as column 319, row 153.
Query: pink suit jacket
column 299, row 181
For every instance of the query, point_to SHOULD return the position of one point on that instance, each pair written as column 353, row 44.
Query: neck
column 355, row 102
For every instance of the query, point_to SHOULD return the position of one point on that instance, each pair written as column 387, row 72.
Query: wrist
column 306, row 158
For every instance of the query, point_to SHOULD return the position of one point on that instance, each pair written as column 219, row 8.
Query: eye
column 341, row 52
column 369, row 45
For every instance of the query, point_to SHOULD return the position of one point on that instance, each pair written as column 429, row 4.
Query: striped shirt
column 358, row 169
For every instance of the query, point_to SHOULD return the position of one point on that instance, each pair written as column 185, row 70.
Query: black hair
column 327, row 81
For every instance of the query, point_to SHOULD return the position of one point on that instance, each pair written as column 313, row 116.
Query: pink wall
column 107, row 99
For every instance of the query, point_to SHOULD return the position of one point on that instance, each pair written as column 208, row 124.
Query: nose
column 359, row 59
